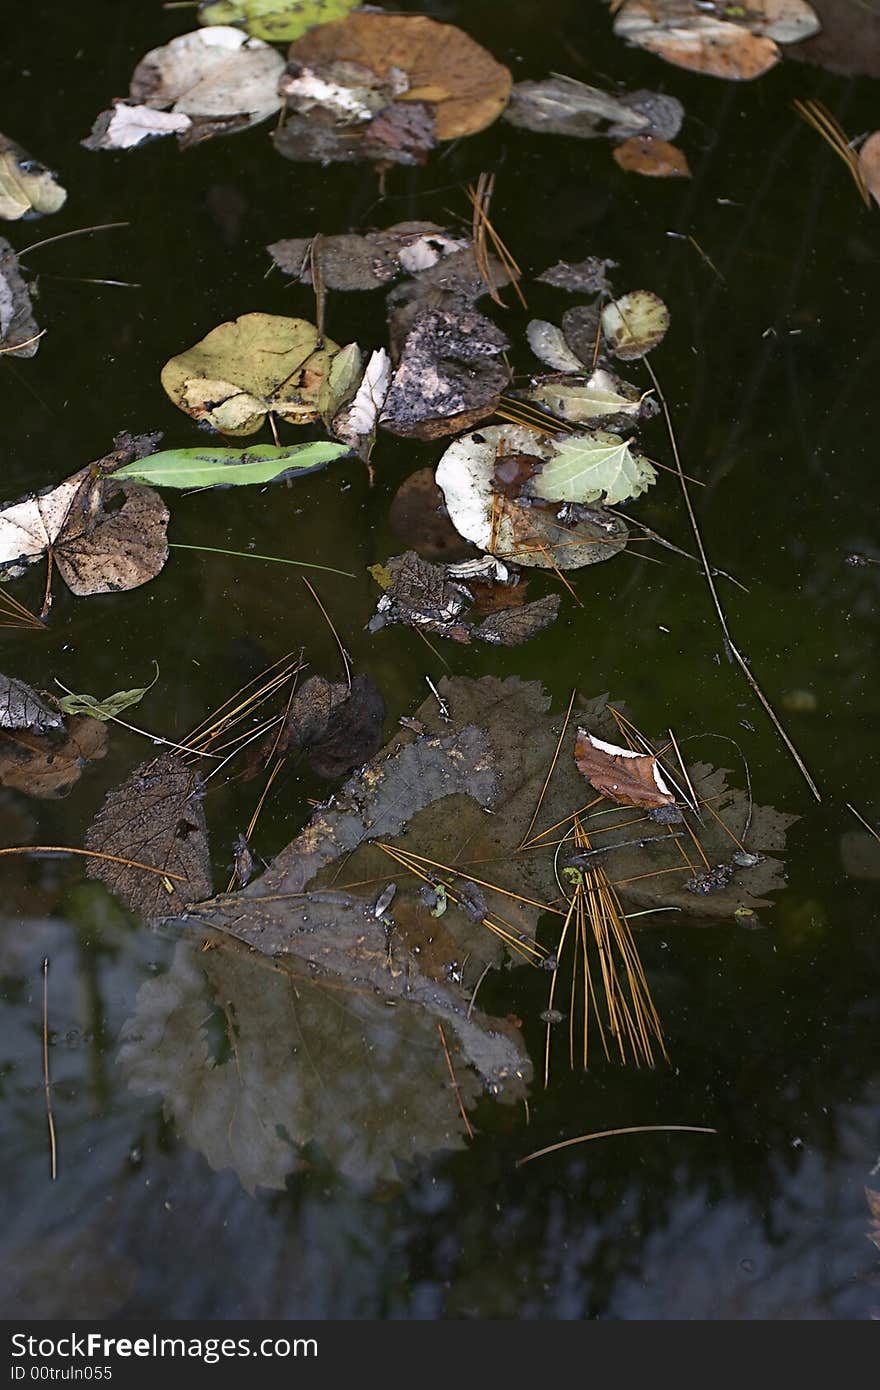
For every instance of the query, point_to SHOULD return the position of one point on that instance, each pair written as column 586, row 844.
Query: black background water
column 770, row 369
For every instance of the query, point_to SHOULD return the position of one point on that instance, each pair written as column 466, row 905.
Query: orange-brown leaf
column 657, row 158
column 630, row 779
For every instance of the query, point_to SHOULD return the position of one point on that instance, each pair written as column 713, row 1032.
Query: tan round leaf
column 254, row 364
column 444, row 66
column 656, row 158
column 679, row 32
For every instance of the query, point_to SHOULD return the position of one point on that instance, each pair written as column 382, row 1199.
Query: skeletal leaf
column 635, row 323
column 19, row 334
column 590, row 466
column 157, row 818
column 27, row 187
column 248, row 367
column 22, row 708
column 548, row 342
column 49, row 767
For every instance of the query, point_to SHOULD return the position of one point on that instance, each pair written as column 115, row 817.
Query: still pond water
column 770, row 369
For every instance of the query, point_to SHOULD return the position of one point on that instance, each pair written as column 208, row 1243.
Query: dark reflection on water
column 772, row 1033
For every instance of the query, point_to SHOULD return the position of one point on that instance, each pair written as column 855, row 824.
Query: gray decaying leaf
column 156, row 817
column 338, row 727
column 47, row 766
column 254, row 1059
column 354, row 262
column 515, row 625
column 581, row 277
column 431, row 598
column 368, row 124
column 563, row 106
column 447, row 378
column 22, row 708
column 19, row 334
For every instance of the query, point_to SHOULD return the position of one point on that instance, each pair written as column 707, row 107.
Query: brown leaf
column 630, row 779
column 47, row 767
column 680, row 32
column 338, row 727
column 418, row 594
column 443, row 65
column 512, row 626
column 869, row 163
column 116, row 549
column 156, row 817
column 656, row 158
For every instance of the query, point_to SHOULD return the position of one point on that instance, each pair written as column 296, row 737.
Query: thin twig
column 858, row 815
column 47, row 1085
column 707, row 571
column 62, row 236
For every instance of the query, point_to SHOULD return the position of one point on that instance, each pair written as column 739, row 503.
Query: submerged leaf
column 27, row 187
column 49, row 767
column 244, row 369
column 635, row 324
column 276, row 21
column 155, row 817
column 511, row 626
column 337, row 726
column 587, row 467
column 229, row 467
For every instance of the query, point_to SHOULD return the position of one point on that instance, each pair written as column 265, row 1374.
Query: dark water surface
column 770, row 368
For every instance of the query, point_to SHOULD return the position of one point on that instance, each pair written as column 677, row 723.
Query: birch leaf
column 583, row 401
column 635, row 323
column 590, row 466
column 548, row 343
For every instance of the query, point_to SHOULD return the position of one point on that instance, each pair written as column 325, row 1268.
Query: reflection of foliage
column 254, row 1062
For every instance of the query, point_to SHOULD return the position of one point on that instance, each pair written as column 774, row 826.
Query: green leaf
column 593, row 465
column 581, row 402
column 105, row 709
column 635, row 323
column 228, row 467
column 276, row 21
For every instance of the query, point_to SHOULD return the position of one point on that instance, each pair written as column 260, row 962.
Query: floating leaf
column 128, row 125
column 548, row 342
column 869, row 163
column 628, row 778
column 19, row 334
column 587, row 467
column 157, row 818
column 199, row 468
column 735, row 43
column 248, row 367
column 27, row 187
column 276, row 21
column 439, row 64
column 563, row 106
column 582, row 402
column 22, row 708
column 635, row 323
column 445, row 379
column 527, row 534
column 46, row 767
column 512, row 626
column 95, row 550
column 105, row 709
column 356, row 422
column 366, row 262
column 656, row 158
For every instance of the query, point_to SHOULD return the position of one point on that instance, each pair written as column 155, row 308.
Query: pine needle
column 827, row 125
column 481, row 230
column 612, row 1133
column 90, row 854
